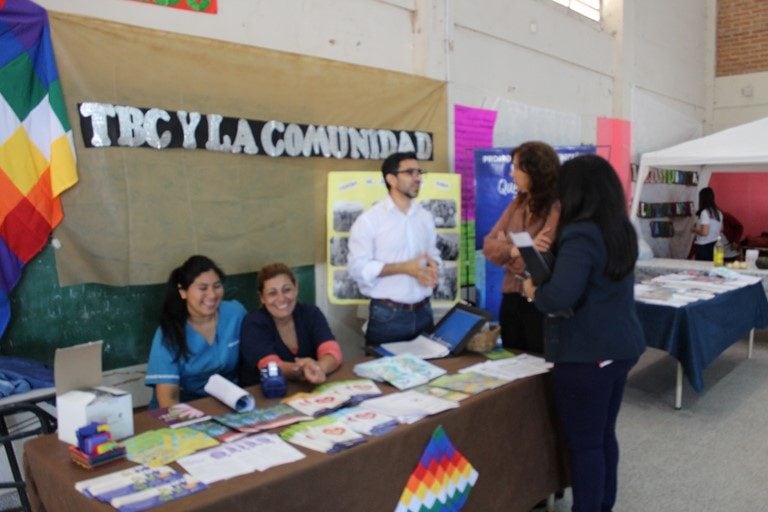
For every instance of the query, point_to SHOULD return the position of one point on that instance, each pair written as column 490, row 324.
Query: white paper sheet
column 230, row 394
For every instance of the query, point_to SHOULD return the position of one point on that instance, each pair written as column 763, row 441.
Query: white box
column 80, row 399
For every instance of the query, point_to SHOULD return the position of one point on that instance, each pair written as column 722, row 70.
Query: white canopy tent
column 743, row 148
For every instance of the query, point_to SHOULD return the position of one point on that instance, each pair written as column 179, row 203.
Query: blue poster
column 494, row 190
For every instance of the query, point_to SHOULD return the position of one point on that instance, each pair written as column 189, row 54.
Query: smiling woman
column 295, row 336
column 197, row 337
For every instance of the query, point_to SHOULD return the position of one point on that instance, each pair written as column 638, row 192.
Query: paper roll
column 230, row 394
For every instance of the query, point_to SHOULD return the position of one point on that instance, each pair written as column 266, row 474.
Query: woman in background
column 596, row 337
column 296, row 336
column 198, row 335
column 708, row 228
column 536, row 210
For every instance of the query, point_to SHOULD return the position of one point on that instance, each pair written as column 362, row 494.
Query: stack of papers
column 333, row 396
column 421, row 346
column 512, row 368
column 254, row 453
column 356, row 390
column 408, row 406
column 139, row 487
column 325, row 435
column 677, row 290
column 403, row 371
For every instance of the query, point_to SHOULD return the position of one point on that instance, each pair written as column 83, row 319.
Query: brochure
column 408, row 406
column 155, row 496
column 468, row 382
column 179, row 415
column 356, row 390
column 325, row 435
column 402, row 371
column 163, row 446
column 125, row 476
column 448, row 394
column 218, row 431
column 363, row 421
column 259, row 420
column 254, row 453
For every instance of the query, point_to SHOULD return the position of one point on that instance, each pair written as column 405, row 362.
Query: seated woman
column 296, row 336
column 198, row 334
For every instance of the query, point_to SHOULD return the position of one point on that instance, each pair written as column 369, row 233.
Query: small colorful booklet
column 259, row 420
column 325, row 434
column 402, row 371
column 179, row 415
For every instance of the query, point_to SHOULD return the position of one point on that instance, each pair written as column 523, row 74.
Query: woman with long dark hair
column 709, row 225
column 199, row 334
column 595, row 336
column 536, row 210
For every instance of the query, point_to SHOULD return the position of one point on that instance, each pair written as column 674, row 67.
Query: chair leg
column 18, row 480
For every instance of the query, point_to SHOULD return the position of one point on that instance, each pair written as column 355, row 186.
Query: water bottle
column 718, row 254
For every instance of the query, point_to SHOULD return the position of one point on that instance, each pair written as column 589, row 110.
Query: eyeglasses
column 412, row 172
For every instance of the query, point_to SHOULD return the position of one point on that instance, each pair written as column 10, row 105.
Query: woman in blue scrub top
column 199, row 334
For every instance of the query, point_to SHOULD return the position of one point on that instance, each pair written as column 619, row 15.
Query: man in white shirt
column 393, row 256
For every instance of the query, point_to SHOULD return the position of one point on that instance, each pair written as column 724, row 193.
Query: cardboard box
column 80, row 398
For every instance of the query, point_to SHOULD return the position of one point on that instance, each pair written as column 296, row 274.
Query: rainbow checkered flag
column 37, row 154
column 441, row 481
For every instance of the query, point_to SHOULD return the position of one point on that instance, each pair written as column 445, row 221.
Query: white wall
column 740, row 99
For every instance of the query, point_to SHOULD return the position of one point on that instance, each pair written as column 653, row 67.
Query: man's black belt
column 401, row 306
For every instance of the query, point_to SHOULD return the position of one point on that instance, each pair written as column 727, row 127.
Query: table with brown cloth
column 509, row 434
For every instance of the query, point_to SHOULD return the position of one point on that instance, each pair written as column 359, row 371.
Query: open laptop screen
column 456, row 326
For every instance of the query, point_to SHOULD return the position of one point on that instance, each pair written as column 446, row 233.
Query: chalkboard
column 46, row 316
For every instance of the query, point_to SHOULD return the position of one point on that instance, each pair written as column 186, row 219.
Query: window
column 588, row 8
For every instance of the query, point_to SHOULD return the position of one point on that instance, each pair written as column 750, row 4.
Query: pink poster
column 614, row 144
column 474, row 129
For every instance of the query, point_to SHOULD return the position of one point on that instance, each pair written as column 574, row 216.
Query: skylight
column 588, row 8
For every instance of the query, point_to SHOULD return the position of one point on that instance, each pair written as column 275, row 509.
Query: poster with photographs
column 351, row 193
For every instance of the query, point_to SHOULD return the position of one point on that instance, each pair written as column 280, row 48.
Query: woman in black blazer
column 593, row 334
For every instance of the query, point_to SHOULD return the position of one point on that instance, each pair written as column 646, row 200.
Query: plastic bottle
column 718, row 254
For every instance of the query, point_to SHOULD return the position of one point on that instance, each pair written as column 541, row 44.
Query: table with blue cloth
column 695, row 334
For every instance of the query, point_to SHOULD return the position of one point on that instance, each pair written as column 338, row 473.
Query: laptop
column 449, row 337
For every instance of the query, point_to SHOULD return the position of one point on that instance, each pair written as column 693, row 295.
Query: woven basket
column 484, row 340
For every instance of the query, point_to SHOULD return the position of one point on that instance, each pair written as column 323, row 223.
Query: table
column 697, row 333
column 508, row 434
column 647, row 269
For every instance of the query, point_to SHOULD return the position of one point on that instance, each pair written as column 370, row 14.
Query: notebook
column 449, row 337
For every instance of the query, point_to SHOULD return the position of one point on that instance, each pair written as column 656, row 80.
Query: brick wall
column 742, row 36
